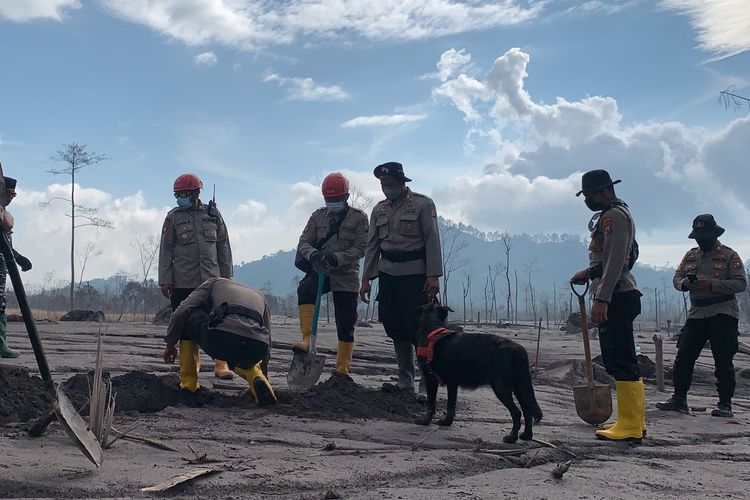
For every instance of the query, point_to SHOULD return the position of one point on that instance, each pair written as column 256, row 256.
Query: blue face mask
column 392, row 193
column 336, row 207
column 184, row 202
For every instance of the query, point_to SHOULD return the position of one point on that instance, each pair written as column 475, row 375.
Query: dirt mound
column 572, row 372
column 83, row 315
column 341, row 399
column 22, row 397
column 147, row 393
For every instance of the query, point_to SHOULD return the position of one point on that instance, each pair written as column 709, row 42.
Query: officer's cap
column 10, row 183
column 705, row 227
column 392, row 169
column 594, row 180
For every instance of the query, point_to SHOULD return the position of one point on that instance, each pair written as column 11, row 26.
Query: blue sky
column 218, row 87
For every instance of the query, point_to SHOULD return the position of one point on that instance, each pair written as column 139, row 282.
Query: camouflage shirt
column 724, row 268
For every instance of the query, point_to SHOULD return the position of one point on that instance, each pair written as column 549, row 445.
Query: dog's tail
column 526, row 396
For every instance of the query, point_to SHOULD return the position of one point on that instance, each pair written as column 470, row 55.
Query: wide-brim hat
column 10, row 183
column 393, row 169
column 594, row 180
column 705, row 227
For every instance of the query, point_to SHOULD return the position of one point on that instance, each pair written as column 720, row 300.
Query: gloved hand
column 23, row 262
column 331, row 259
column 317, row 259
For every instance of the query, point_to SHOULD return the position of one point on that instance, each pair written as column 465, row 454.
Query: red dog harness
column 428, row 351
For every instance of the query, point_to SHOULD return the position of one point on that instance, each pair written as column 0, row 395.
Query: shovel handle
column 23, row 304
column 585, row 332
column 316, row 313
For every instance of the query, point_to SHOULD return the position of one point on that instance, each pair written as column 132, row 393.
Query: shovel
column 307, row 366
column 68, row 417
column 593, row 402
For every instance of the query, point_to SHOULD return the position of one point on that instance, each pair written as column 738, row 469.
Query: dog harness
column 428, row 350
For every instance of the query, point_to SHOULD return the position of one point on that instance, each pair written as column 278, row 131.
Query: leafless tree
column 466, row 285
column 359, row 199
column 147, row 249
column 729, row 99
column 76, row 157
column 89, row 252
column 494, row 272
column 452, row 244
column 530, row 271
column 507, row 246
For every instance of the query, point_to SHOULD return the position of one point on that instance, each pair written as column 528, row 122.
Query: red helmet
column 187, row 182
column 335, row 184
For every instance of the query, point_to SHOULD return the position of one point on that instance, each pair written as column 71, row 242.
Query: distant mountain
column 551, row 258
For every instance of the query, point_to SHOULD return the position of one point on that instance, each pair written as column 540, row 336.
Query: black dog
column 472, row 360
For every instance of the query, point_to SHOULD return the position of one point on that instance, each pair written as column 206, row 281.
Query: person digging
column 228, row 321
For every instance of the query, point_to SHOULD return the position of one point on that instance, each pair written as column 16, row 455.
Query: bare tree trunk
column 72, row 237
column 516, row 306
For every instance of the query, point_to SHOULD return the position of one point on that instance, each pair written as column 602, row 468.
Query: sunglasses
column 184, row 194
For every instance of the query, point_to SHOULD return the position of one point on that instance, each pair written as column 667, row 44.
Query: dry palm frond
column 102, row 408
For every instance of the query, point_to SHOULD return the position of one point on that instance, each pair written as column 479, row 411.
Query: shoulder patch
column 736, row 262
column 166, row 226
column 607, row 224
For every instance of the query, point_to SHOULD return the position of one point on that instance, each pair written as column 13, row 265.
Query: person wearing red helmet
column 194, row 248
column 333, row 242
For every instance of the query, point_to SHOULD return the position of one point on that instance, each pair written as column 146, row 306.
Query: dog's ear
column 443, row 312
column 425, row 307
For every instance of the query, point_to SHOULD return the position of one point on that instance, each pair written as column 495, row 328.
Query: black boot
column 675, row 403
column 723, row 409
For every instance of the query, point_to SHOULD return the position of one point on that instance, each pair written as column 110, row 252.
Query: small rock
column 331, row 495
column 364, row 324
column 745, row 373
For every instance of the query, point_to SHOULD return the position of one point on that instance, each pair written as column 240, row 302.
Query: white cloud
column 452, row 61
column 28, row 10
column 723, row 26
column 671, row 172
column 382, row 120
column 254, row 23
column 307, row 89
column 206, row 59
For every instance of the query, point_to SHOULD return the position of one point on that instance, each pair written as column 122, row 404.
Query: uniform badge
column 607, row 225
column 166, row 226
column 736, row 262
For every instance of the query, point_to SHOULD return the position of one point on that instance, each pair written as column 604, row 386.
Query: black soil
column 341, row 399
column 23, row 398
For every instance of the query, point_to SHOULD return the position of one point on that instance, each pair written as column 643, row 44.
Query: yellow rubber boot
column 306, row 313
column 188, row 365
column 344, row 354
column 643, row 425
column 258, row 385
column 221, row 370
column 630, row 404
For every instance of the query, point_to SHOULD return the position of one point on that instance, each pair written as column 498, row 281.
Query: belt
column 711, row 300
column 219, row 312
column 420, row 254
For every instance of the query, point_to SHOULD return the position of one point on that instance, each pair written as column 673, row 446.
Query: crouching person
column 230, row 322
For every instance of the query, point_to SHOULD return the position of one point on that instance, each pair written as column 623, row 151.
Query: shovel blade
column 76, row 428
column 593, row 404
column 305, row 370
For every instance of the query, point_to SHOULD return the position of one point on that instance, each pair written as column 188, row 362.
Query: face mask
column 335, row 207
column 184, row 202
column 392, row 193
column 706, row 245
column 594, row 206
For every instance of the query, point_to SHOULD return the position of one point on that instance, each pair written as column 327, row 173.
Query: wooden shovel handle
column 585, row 335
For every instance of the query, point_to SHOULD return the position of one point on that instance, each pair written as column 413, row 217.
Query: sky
column 495, row 109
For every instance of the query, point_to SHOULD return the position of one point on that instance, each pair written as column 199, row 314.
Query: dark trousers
column 344, row 304
column 399, row 298
column 616, row 336
column 178, row 295
column 721, row 330
column 236, row 350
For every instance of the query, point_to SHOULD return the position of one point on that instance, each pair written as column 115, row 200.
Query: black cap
column 594, row 180
column 392, row 169
column 705, row 227
column 10, row 183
